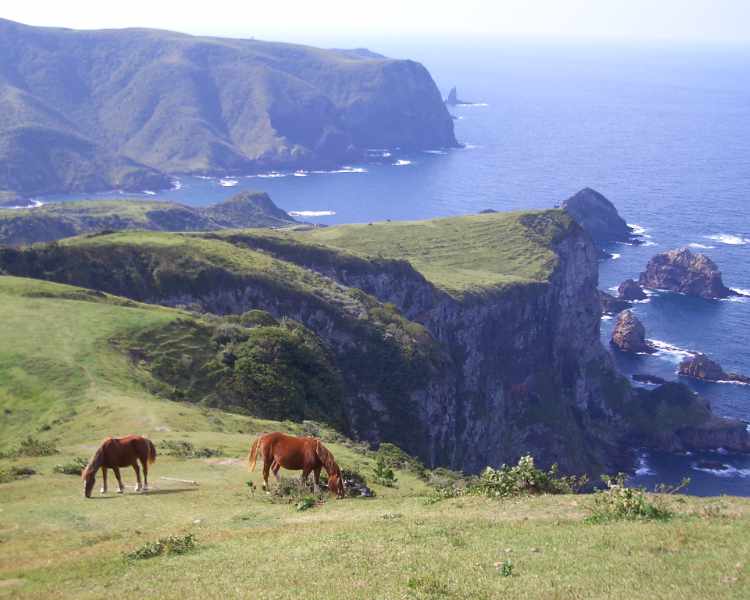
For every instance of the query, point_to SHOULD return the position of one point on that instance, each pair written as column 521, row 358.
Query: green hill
column 136, row 105
column 65, row 219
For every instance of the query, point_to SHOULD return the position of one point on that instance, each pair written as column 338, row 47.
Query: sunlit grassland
column 62, row 381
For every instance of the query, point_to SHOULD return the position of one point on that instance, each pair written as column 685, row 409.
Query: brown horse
column 119, row 452
column 307, row 454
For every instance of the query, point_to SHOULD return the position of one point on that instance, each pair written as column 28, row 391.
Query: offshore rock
column 598, row 217
column 702, row 367
column 630, row 290
column 685, row 272
column 629, row 334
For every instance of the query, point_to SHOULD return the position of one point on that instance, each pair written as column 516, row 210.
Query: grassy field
column 64, row 383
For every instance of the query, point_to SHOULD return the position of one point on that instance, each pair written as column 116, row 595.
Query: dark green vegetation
column 137, row 104
column 55, row 221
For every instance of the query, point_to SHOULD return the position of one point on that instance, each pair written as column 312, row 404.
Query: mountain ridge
column 92, row 110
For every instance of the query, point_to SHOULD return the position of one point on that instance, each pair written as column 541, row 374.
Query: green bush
column 523, row 479
column 383, row 474
column 620, row 502
column 32, row 446
column 74, row 467
column 186, row 449
column 169, row 545
column 8, row 474
column 305, row 503
column 395, row 458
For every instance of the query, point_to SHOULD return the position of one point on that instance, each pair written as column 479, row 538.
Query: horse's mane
column 326, row 458
column 95, row 461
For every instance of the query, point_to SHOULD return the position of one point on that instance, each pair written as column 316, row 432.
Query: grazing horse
column 119, row 452
column 296, row 453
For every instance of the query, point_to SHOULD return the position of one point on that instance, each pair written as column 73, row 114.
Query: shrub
column 305, row 503
column 186, row 449
column 8, row 474
column 619, row 502
column 31, row 446
column 74, row 467
column 523, row 479
column 395, row 458
column 383, row 474
column 169, row 545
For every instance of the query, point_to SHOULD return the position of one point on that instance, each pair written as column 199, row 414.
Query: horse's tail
column 253, row 455
column 151, row 452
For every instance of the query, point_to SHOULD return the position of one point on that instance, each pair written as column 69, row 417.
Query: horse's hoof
column 102, row 491
column 144, row 488
column 120, row 491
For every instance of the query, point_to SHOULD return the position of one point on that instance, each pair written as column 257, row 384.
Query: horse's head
column 336, row 483
column 89, row 478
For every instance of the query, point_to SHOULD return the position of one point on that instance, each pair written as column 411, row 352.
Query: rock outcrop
column 629, row 334
column 598, row 217
column 611, row 305
column 648, row 378
column 700, row 366
column 454, row 100
column 630, row 290
column 685, row 272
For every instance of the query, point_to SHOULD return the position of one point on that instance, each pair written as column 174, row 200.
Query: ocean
column 662, row 131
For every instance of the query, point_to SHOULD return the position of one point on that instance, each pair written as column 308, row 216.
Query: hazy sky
column 694, row 20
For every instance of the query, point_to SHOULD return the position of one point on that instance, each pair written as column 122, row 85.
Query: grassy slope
column 457, row 254
column 55, row 363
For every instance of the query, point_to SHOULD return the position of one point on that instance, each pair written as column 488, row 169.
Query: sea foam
column 729, row 239
column 312, row 213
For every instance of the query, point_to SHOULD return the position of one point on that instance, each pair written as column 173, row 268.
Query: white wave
column 649, row 243
column 721, row 450
column 643, row 466
column 615, row 256
column 342, row 170
column 34, row 204
column 743, row 291
column 701, row 246
column 271, row 175
column 204, row 177
column 729, row 239
column 312, row 213
column 670, row 352
column 470, row 146
column 176, row 184
column 606, row 317
column 228, row 182
column 731, row 382
column 149, row 192
column 637, row 229
column 300, row 173
column 472, row 104
column 434, row 152
column 402, row 163
column 726, row 471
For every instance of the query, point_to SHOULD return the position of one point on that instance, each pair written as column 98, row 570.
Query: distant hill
column 93, row 110
column 65, row 219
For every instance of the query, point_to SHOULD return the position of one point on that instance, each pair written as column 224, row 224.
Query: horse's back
column 291, row 452
column 124, row 451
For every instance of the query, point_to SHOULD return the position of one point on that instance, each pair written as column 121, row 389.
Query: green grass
column 460, row 254
column 62, row 381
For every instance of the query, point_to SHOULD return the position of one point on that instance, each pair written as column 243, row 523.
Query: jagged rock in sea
column 699, row 366
column 629, row 334
column 599, row 217
column 685, row 272
column 611, row 305
column 630, row 290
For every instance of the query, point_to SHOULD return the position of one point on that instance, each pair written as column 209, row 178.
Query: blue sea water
column 662, row 131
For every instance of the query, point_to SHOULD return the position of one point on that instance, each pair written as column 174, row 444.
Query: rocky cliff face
column 459, row 381
column 598, row 216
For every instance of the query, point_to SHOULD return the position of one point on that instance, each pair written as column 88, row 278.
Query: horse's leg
column 121, row 488
column 275, row 470
column 316, row 480
column 144, row 462
column 104, row 480
column 303, row 477
column 137, row 470
column 266, row 468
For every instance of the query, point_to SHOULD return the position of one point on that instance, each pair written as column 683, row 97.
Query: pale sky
column 726, row 21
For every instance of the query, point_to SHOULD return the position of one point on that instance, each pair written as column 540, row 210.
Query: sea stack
column 702, row 367
column 629, row 334
column 684, row 272
column 598, row 216
column 611, row 305
column 630, row 290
